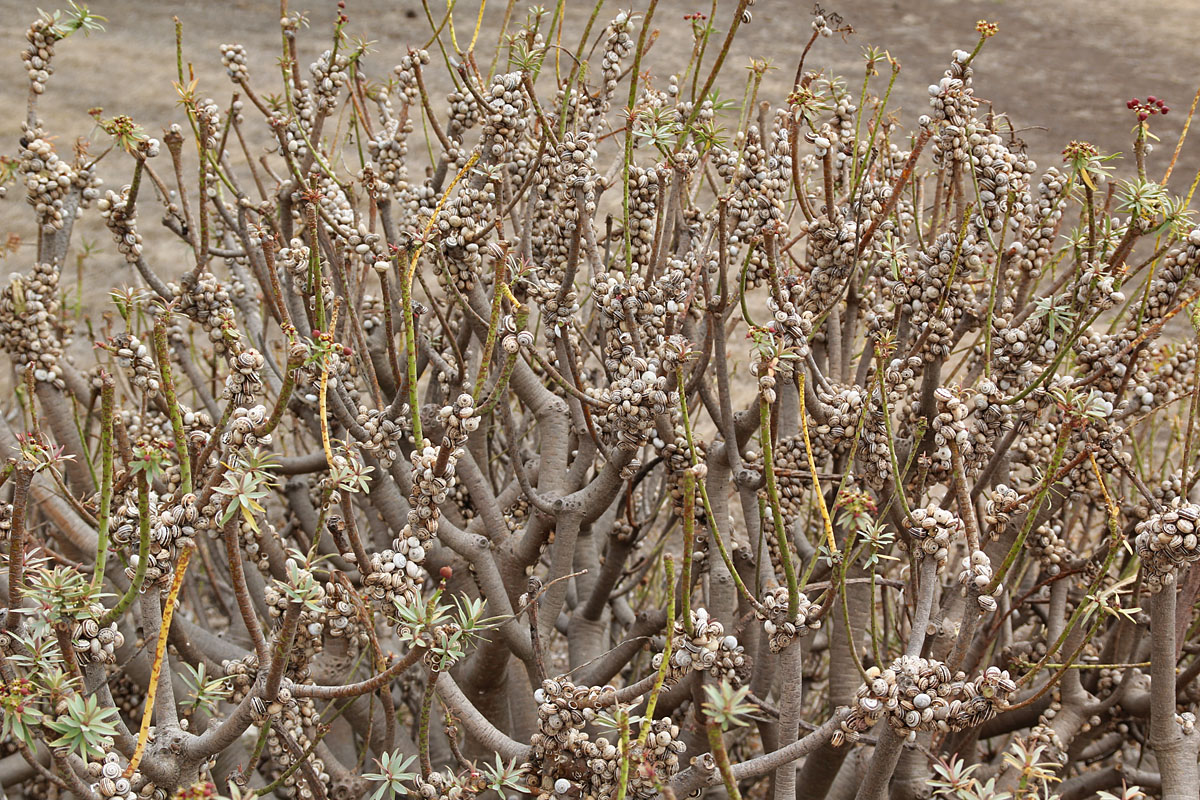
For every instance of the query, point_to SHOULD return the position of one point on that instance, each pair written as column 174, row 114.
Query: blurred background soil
column 1061, row 69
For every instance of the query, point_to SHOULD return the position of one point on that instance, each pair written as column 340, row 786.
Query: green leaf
column 728, row 706
column 85, row 728
column 394, row 774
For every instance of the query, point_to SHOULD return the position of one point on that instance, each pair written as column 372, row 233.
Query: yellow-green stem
column 781, row 537
column 173, row 412
column 107, row 391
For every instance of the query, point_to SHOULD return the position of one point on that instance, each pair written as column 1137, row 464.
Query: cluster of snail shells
column 341, row 616
column 625, row 302
column 367, row 247
column 1049, row 547
column 311, row 622
column 207, row 303
column 617, row 46
column 932, row 529
column 298, row 127
column 951, row 100
column 109, row 782
column 337, row 207
column 1169, row 381
column 512, row 340
column 173, row 527
column 458, row 420
column 94, row 643
column 233, row 58
column 48, row 179
column 389, row 154
column 506, row 117
column 643, row 208
column 831, row 251
column 563, row 711
column 575, row 169
column 198, row 427
column 792, row 322
column 440, row 786
column 661, row 752
column 295, row 718
column 243, row 672
column 634, row 398
column 1033, row 248
column 1043, row 734
column 916, row 693
column 602, row 759
column 699, row 649
column 731, row 664
column 921, row 290
column 406, row 73
column 992, row 418
column 329, row 75
column 385, row 434
column 397, row 572
column 950, row 423
column 284, row 704
column 999, row 171
column 463, row 223
column 29, row 308
column 874, row 451
column 131, row 353
column 294, row 259
column 37, row 57
column 603, row 766
column 1167, row 282
column 119, row 217
column 781, row 629
column 791, row 471
column 1164, row 493
column 394, row 574
column 244, row 423
column 975, row 576
column 244, row 381
column 1167, row 540
column 845, row 406
column 463, row 114
column 208, row 121
column 429, row 490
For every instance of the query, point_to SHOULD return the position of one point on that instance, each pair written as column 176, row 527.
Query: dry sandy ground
column 1065, row 65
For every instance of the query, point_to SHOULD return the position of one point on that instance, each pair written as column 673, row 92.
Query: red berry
column 1165, row 109
column 1132, row 104
column 446, row 572
column 1151, row 99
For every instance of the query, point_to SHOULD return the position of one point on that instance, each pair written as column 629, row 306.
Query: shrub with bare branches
column 638, row 444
